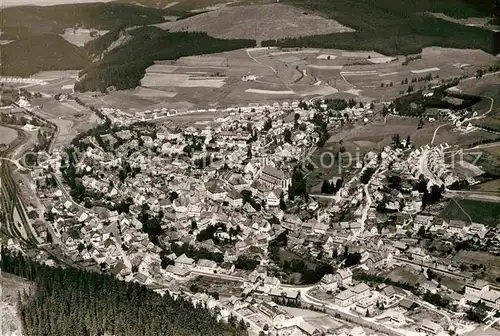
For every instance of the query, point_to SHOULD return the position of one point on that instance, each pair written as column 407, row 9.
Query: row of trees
column 331, row 188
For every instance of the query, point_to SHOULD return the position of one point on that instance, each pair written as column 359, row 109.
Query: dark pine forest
column 72, row 302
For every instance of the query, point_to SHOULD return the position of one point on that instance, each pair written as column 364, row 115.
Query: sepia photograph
column 249, row 168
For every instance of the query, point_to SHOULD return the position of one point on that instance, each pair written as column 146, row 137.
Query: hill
column 397, row 27
column 125, row 65
column 39, row 53
column 262, row 22
column 18, row 22
column 75, row 302
column 192, row 5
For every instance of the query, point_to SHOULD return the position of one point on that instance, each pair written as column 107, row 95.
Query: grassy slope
column 397, row 26
column 124, row 66
column 44, row 52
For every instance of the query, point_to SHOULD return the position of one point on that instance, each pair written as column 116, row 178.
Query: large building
column 477, row 288
column 274, row 178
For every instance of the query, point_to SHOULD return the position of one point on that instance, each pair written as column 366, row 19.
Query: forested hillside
column 22, row 21
column 124, row 66
column 73, row 302
column 39, row 53
column 397, row 27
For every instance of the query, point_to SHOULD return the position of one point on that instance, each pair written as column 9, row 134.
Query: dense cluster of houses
column 222, row 188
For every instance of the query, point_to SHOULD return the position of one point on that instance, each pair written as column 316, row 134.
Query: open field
column 403, row 274
column 376, row 136
column 490, row 159
column 470, row 21
column 80, row 36
column 487, row 86
column 490, row 186
column 487, row 213
column 491, row 262
column 263, row 22
column 177, row 80
column 7, row 135
column 448, row 134
column 70, row 118
column 194, row 5
column 266, row 75
column 222, row 287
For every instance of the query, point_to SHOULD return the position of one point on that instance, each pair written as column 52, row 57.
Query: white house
column 344, row 277
column 430, row 327
column 345, row 298
column 361, row 291
column 206, row 265
column 184, row 261
column 273, row 198
column 216, row 193
column 477, row 288
column 234, row 199
column 328, row 282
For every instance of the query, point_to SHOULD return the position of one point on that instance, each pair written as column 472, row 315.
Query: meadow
column 487, row 213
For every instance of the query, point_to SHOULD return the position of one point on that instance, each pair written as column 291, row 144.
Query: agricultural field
column 266, row 75
column 375, row 136
column 472, row 211
column 450, row 135
column 271, row 21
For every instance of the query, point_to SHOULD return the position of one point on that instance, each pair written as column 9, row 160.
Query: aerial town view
column 252, row 167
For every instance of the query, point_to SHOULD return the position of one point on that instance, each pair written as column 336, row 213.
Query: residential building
column 477, row 288
column 344, row 277
column 430, row 327
column 345, row 298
